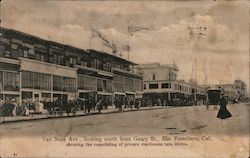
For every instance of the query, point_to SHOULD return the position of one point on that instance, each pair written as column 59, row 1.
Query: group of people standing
column 91, row 104
column 128, row 103
column 8, row 107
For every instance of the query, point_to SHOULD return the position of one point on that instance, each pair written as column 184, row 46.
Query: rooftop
column 34, row 38
column 157, row 65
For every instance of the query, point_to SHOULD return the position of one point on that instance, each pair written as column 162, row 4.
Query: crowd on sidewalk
column 10, row 108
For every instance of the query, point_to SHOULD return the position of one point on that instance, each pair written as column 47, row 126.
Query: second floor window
column 57, row 58
column 153, row 77
column 72, row 61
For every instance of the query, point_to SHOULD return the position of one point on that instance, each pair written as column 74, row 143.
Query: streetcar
column 213, row 96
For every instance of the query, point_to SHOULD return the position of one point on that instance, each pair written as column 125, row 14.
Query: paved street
column 173, row 120
column 229, row 138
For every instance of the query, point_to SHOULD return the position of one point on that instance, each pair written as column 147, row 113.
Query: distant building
column 34, row 69
column 228, row 90
column 160, row 82
column 241, row 88
column 236, row 90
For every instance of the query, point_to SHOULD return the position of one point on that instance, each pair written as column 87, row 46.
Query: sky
column 208, row 40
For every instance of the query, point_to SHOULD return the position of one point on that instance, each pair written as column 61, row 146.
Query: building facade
column 241, row 89
column 236, row 90
column 161, row 85
column 33, row 69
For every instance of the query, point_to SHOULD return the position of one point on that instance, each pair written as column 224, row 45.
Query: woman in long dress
column 223, row 112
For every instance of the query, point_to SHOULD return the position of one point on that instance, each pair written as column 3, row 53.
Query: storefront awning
column 130, row 92
column 119, row 93
column 104, row 93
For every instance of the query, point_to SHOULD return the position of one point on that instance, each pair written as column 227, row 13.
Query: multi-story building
column 160, row 83
column 241, row 89
column 34, row 69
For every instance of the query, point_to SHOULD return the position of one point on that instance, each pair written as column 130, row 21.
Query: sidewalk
column 110, row 110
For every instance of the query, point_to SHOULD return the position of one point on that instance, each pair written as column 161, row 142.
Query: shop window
column 87, row 83
column 36, row 80
column 57, row 83
column 11, row 81
column 69, row 84
column 45, row 81
column 118, row 82
column 27, row 79
column 99, row 85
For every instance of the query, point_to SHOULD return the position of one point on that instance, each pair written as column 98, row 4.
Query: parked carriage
column 58, row 107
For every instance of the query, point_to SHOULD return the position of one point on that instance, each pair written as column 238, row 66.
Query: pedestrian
column 93, row 104
column 87, row 106
column 27, row 110
column 120, row 103
column 207, row 105
column 223, row 112
column 137, row 104
column 14, row 104
column 126, row 102
column 106, row 105
column 99, row 106
column 131, row 104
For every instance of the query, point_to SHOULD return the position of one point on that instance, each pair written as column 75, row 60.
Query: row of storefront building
column 161, row 85
column 33, row 69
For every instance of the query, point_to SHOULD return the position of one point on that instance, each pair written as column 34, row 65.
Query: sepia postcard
column 124, row 78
